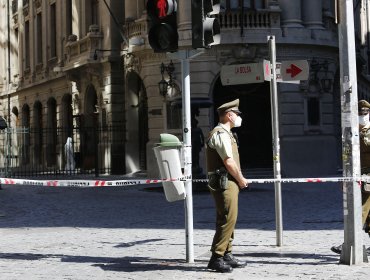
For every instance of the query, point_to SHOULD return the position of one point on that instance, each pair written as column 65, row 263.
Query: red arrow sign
column 293, row 70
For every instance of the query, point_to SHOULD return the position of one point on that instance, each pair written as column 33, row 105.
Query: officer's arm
column 234, row 171
column 366, row 137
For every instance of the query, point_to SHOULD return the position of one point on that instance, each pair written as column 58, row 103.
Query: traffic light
column 162, row 25
column 205, row 27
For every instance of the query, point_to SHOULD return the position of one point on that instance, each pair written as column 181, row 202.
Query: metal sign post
column 353, row 251
column 276, row 142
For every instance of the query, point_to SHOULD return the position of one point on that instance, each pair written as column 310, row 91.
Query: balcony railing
column 264, row 19
column 83, row 49
column 248, row 20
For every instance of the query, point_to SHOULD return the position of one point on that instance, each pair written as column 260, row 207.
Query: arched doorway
column 25, row 134
column 255, row 135
column 67, row 117
column 89, row 129
column 136, row 124
column 51, row 133
column 37, row 135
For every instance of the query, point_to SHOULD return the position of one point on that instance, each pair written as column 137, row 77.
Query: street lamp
column 324, row 83
column 163, row 84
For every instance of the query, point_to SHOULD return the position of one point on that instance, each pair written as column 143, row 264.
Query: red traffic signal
column 162, row 25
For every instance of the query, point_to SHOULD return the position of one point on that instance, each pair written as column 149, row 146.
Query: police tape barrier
column 303, row 180
column 124, row 183
column 85, row 183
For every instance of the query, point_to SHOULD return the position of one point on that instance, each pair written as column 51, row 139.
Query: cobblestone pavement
column 134, row 233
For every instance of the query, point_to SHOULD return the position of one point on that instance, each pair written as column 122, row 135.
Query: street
column 134, row 233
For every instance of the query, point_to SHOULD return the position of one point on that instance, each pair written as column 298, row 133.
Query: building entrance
column 255, row 135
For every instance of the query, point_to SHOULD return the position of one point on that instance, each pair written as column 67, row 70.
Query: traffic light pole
column 353, row 251
column 184, row 56
column 276, row 142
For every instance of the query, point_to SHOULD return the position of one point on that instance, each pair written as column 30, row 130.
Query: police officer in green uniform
column 225, row 180
column 364, row 126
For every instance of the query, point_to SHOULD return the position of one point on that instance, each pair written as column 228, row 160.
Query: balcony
column 262, row 19
column 233, row 24
column 81, row 52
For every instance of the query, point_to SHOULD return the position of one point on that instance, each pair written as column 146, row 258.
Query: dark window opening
column 313, row 111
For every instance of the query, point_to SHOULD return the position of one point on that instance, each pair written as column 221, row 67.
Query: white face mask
column 238, row 121
column 363, row 120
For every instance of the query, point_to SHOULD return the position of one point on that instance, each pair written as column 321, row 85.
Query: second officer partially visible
column 225, row 180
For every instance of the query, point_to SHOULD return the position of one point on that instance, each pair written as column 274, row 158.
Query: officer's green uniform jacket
column 220, row 145
column 365, row 168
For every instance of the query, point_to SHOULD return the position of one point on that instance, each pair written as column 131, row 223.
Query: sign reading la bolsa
column 245, row 73
column 286, row 71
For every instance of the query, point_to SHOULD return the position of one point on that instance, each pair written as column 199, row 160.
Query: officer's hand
column 243, row 184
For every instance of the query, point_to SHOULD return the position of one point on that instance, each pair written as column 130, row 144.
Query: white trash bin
column 167, row 153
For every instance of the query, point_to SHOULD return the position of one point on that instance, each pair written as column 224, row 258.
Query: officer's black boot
column 337, row 249
column 232, row 261
column 217, row 263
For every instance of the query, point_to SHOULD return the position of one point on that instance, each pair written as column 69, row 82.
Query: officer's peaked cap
column 229, row 106
column 363, row 104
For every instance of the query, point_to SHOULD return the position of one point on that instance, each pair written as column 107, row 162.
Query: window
column 69, row 17
column 174, row 116
column 27, row 44
column 15, row 43
column 53, row 31
column 313, row 111
column 39, row 38
column 247, row 4
column 91, row 13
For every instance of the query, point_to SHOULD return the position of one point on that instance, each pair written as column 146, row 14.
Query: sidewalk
column 134, row 233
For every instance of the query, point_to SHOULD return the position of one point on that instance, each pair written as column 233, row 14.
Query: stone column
column 184, row 15
column 291, row 13
column 312, row 14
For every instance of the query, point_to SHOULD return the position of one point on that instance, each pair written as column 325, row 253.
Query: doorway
column 255, row 134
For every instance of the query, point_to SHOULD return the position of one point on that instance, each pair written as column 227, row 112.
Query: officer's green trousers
column 226, row 215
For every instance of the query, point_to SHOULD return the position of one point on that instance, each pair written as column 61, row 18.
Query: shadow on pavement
column 290, row 258
column 124, row 264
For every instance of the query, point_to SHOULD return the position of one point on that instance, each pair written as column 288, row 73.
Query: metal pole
column 185, row 56
column 353, row 249
column 8, row 130
column 276, row 142
column 186, row 113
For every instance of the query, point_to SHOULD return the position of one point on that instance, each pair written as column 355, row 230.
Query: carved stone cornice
column 37, row 3
column 26, row 10
column 132, row 63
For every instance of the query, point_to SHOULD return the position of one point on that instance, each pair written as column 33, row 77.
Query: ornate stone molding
column 37, row 3
column 132, row 63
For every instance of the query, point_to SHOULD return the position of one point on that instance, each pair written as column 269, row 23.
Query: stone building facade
column 309, row 112
column 71, row 69
column 65, row 80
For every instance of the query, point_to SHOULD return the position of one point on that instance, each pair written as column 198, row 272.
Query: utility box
column 168, row 153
